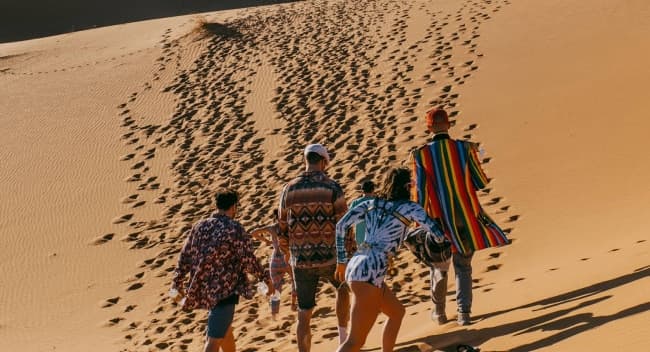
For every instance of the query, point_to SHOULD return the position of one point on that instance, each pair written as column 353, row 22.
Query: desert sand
column 114, row 139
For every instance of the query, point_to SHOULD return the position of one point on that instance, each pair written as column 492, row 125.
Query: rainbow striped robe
column 447, row 174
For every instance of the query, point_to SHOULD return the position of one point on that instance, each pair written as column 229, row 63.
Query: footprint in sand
column 110, row 302
column 135, row 286
column 127, row 157
column 103, row 239
column 130, row 199
column 138, row 204
column 122, row 219
column 513, row 218
column 494, row 200
column 115, row 321
column 495, row 255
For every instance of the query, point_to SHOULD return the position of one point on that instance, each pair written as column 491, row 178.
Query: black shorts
column 221, row 316
column 306, row 283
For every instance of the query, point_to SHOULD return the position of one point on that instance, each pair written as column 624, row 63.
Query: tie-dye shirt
column 310, row 206
column 217, row 255
column 387, row 223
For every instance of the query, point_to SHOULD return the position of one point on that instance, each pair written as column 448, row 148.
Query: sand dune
column 114, row 140
column 21, row 20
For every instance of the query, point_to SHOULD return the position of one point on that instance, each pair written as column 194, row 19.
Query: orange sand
column 114, row 139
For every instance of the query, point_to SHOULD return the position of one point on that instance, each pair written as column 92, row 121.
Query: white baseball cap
column 318, row 149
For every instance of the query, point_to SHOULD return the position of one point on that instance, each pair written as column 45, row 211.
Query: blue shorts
column 221, row 316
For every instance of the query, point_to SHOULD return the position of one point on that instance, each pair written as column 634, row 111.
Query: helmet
column 423, row 245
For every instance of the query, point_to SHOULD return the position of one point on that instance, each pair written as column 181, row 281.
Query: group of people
column 316, row 237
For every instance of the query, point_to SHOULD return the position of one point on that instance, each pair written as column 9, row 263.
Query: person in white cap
column 310, row 206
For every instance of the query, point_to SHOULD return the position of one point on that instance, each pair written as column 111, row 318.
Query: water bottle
column 173, row 293
column 262, row 289
column 275, row 304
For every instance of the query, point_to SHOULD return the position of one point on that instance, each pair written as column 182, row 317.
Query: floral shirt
column 217, row 255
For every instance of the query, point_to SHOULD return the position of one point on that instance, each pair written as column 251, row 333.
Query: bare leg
column 343, row 305
column 225, row 344
column 365, row 309
column 392, row 307
column 303, row 330
column 228, row 344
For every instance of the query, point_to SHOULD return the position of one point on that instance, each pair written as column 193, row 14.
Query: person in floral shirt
column 217, row 256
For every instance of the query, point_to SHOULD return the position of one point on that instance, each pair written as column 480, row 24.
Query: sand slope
column 115, row 139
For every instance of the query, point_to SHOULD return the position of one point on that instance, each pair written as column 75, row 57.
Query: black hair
column 226, row 198
column 394, row 187
column 314, row 158
column 368, row 186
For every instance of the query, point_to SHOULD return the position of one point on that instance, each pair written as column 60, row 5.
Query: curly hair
column 395, row 185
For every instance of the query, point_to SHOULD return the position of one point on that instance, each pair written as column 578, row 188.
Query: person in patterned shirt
column 310, row 206
column 217, row 256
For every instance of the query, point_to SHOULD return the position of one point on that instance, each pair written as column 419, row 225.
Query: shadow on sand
column 563, row 321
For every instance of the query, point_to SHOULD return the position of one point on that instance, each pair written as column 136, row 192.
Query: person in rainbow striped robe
column 447, row 174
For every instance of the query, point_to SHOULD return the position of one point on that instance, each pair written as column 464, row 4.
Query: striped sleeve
column 415, row 195
column 479, row 179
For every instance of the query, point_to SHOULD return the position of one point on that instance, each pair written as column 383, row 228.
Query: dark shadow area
column 562, row 321
column 220, row 30
column 28, row 19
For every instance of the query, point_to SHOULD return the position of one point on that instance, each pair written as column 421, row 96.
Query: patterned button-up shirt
column 310, row 206
column 217, row 255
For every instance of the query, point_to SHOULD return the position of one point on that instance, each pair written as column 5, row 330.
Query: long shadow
column 28, row 19
column 569, row 325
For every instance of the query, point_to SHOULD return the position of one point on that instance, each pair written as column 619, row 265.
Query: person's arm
column 340, row 208
column 250, row 265
column 343, row 226
column 479, row 179
column 350, row 218
column 283, row 226
column 184, row 262
column 420, row 216
column 259, row 232
column 417, row 177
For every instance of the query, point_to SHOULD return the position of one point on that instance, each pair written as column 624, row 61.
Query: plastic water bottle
column 275, row 305
column 173, row 293
column 262, row 289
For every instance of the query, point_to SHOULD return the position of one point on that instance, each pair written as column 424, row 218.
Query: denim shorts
column 221, row 316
